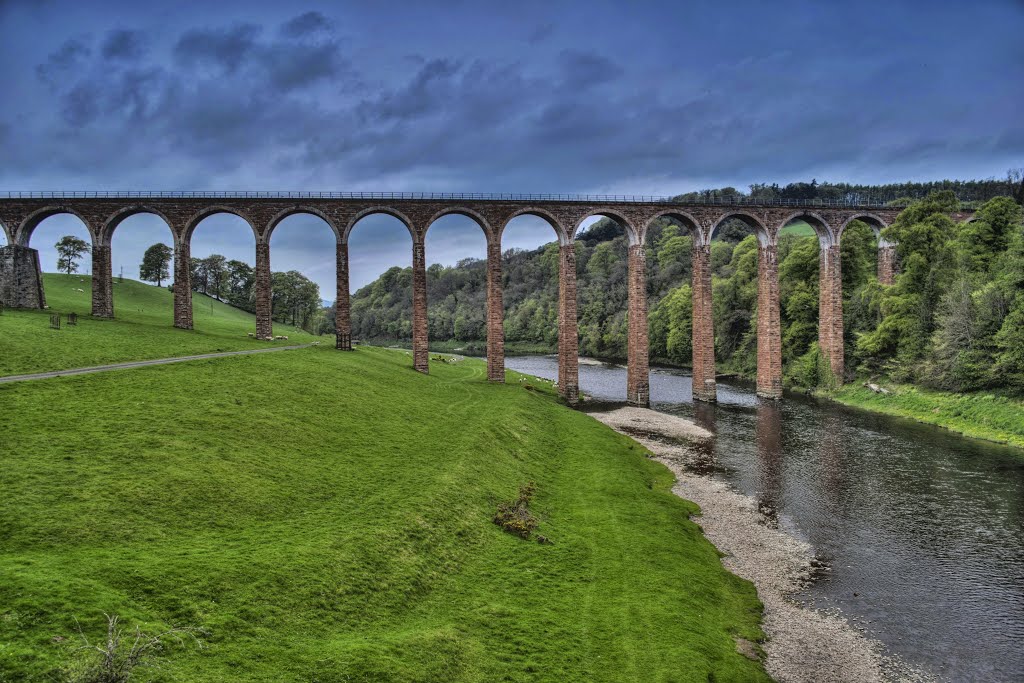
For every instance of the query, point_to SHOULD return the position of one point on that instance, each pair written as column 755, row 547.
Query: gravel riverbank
column 804, row 645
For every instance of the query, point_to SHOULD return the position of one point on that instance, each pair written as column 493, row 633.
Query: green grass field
column 326, row 516
column 980, row 415
column 142, row 328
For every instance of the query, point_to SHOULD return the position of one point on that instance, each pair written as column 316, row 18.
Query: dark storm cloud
column 583, row 70
column 306, row 24
column 226, row 48
column 123, row 44
column 70, row 55
column 292, row 99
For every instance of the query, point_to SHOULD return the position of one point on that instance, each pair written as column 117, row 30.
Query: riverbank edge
column 804, row 644
column 963, row 414
column 943, row 409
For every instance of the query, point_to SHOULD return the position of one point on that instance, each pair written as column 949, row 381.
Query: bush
column 115, row 660
column 514, row 516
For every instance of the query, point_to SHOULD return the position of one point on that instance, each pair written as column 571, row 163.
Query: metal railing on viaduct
column 102, row 212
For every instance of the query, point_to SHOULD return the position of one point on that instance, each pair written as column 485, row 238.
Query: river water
column 922, row 530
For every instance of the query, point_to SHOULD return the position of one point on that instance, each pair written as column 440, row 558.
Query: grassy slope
column 326, row 516
column 979, row 415
column 142, row 328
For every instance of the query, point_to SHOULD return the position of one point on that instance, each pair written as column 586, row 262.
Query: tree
column 69, row 250
column 155, row 263
column 217, row 273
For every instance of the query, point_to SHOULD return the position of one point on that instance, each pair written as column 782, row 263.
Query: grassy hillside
column 327, row 516
column 142, row 328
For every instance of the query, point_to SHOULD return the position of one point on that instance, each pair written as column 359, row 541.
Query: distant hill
column 141, row 329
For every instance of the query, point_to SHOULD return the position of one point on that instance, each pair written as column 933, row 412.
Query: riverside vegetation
column 319, row 515
column 953, row 321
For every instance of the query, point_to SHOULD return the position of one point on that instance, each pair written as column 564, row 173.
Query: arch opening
column 669, row 244
column 733, row 227
column 220, row 213
column 134, row 235
column 44, row 235
column 874, row 223
column 456, row 258
column 222, row 264
column 380, row 277
column 735, row 268
column 530, row 261
column 802, row 220
column 63, row 216
column 306, row 216
column 373, row 212
column 303, row 255
column 602, row 286
column 862, row 270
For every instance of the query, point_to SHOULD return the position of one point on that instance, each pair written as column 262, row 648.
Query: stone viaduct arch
column 103, row 300
column 102, row 213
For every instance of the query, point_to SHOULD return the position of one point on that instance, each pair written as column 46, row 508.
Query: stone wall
column 21, row 280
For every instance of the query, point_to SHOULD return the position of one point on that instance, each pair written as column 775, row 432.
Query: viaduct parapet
column 21, row 213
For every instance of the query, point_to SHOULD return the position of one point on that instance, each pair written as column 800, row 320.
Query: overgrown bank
column 981, row 415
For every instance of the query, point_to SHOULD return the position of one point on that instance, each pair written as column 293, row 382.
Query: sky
column 565, row 97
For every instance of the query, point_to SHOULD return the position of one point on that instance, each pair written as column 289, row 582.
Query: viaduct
column 102, row 212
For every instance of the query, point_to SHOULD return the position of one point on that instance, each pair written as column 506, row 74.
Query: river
column 922, row 530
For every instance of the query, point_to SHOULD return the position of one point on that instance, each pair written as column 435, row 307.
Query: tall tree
column 155, row 262
column 69, row 250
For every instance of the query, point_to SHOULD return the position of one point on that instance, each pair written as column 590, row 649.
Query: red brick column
column 264, row 296
column 420, row 342
column 887, row 264
column 703, row 326
column 342, row 307
column 638, row 387
column 102, row 283
column 183, row 285
column 568, row 335
column 830, row 309
column 769, row 325
column 495, row 315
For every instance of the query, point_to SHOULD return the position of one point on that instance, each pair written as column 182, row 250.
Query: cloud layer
column 564, row 97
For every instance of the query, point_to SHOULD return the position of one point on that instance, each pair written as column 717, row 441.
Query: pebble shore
column 804, row 645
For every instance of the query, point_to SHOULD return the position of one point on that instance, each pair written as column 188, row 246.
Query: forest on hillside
column 954, row 319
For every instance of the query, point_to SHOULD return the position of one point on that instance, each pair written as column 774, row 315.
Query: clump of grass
column 514, row 516
column 116, row 659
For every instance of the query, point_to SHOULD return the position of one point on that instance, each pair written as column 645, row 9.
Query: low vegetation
column 141, row 329
column 982, row 415
column 324, row 515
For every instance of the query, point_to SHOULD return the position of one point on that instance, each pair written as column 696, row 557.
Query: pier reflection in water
column 923, row 529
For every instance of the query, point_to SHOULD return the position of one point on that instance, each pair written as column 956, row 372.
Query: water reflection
column 922, row 529
column 768, row 435
column 704, row 451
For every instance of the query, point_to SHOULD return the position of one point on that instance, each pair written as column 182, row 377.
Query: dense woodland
column 954, row 319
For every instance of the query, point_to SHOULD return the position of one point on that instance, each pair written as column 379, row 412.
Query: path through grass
column 142, row 328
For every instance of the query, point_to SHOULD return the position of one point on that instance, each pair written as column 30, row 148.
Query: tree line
column 295, row 299
column 953, row 319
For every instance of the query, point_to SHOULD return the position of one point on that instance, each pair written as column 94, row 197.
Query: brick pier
column 103, row 212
